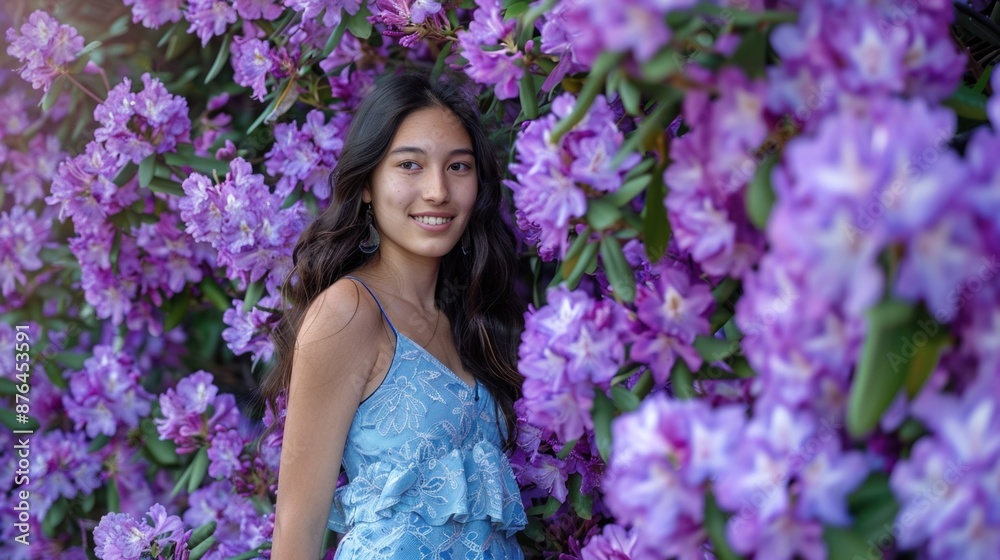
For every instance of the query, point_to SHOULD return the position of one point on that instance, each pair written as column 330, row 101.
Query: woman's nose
column 436, row 187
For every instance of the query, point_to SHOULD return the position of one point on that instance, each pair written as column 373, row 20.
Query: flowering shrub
column 763, row 239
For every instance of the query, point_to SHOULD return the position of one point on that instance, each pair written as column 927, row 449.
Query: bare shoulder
column 339, row 327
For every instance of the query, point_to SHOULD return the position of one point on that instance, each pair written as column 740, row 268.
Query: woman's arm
column 334, row 356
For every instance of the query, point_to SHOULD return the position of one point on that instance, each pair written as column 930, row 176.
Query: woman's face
column 423, row 191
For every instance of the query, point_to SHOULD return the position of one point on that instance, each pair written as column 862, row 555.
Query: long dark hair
column 475, row 291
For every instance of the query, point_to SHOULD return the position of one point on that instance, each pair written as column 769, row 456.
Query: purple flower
column 61, row 467
column 252, row 63
column 613, row 543
column 568, row 347
column 661, row 455
column 138, row 125
column 551, row 182
column 408, row 22
column 258, row 9
column 106, row 394
column 240, row 528
column 636, row 26
column 331, row 9
column 119, row 536
column 568, row 34
column 185, row 411
column 45, row 48
column 308, row 154
column 246, row 332
column 22, row 236
column 209, row 18
column 672, row 312
column 224, row 453
column 946, row 488
column 491, row 66
column 84, row 188
column 155, row 13
column 32, row 171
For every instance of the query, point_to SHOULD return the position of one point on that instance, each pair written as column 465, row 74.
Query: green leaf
column 547, row 509
column 567, row 448
column 182, row 481
column 625, row 400
column 199, row 468
column 98, row 443
column 572, row 256
column 759, row 193
column 583, row 504
column 629, row 190
column 601, row 214
column 164, row 452
column 619, row 272
column 255, row 291
column 528, row 96
column 588, row 256
column 185, row 157
column 87, row 502
column 602, row 413
column 72, row 360
column 200, row 550
column 126, row 174
column 751, row 54
column 879, row 375
column 656, row 228
column 220, row 59
column 147, row 169
column 844, row 543
column 176, row 310
column 681, row 380
column 968, row 103
column 89, row 48
column 9, row 419
column 713, row 349
column 7, row 387
column 51, row 96
column 439, row 62
column 335, row 38
column 666, row 63
column 926, row 356
column 630, row 96
column 113, row 495
column 214, row 293
column 156, row 184
column 515, row 10
column 166, row 36
column 358, row 24
column 715, row 524
column 55, row 515
column 199, row 535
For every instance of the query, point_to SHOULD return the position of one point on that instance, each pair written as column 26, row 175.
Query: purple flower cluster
column 569, row 346
column 865, row 48
column 408, row 20
column 784, row 477
column 245, row 332
column 120, row 537
column 331, row 9
column 84, row 190
column 552, row 182
column 947, row 486
column 240, row 527
column 252, row 64
column 193, row 410
column 671, row 311
column 44, row 47
column 30, row 172
column 209, row 18
column 613, row 543
column 568, row 34
column 22, row 237
column 60, row 467
column 711, row 165
column 662, row 455
column 307, row 155
column 154, row 13
column 500, row 68
column 138, row 125
column 637, row 27
column 106, row 394
column 244, row 223
column 268, row 10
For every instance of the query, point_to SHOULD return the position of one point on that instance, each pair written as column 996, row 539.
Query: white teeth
column 431, row 220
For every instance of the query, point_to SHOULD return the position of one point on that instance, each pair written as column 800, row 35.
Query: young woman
column 398, row 349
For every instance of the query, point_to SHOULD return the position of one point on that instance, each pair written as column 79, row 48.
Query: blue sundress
column 427, row 477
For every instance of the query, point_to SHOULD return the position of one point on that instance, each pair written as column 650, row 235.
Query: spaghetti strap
column 384, row 314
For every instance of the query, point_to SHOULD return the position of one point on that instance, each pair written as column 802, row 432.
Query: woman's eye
column 409, row 165
column 460, row 166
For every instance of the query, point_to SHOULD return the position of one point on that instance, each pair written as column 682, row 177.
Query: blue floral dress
column 427, row 477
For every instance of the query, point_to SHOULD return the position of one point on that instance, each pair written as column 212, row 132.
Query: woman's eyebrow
column 421, row 151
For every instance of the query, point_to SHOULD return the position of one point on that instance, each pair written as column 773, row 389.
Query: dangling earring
column 466, row 242
column 370, row 245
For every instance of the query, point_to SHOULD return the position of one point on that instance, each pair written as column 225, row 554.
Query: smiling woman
column 398, row 344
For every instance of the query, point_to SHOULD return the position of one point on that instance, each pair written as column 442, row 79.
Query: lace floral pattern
column 425, row 469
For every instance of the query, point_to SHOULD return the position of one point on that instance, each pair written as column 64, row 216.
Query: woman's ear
column 366, row 195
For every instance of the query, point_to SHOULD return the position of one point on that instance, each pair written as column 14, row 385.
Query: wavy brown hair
column 475, row 291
